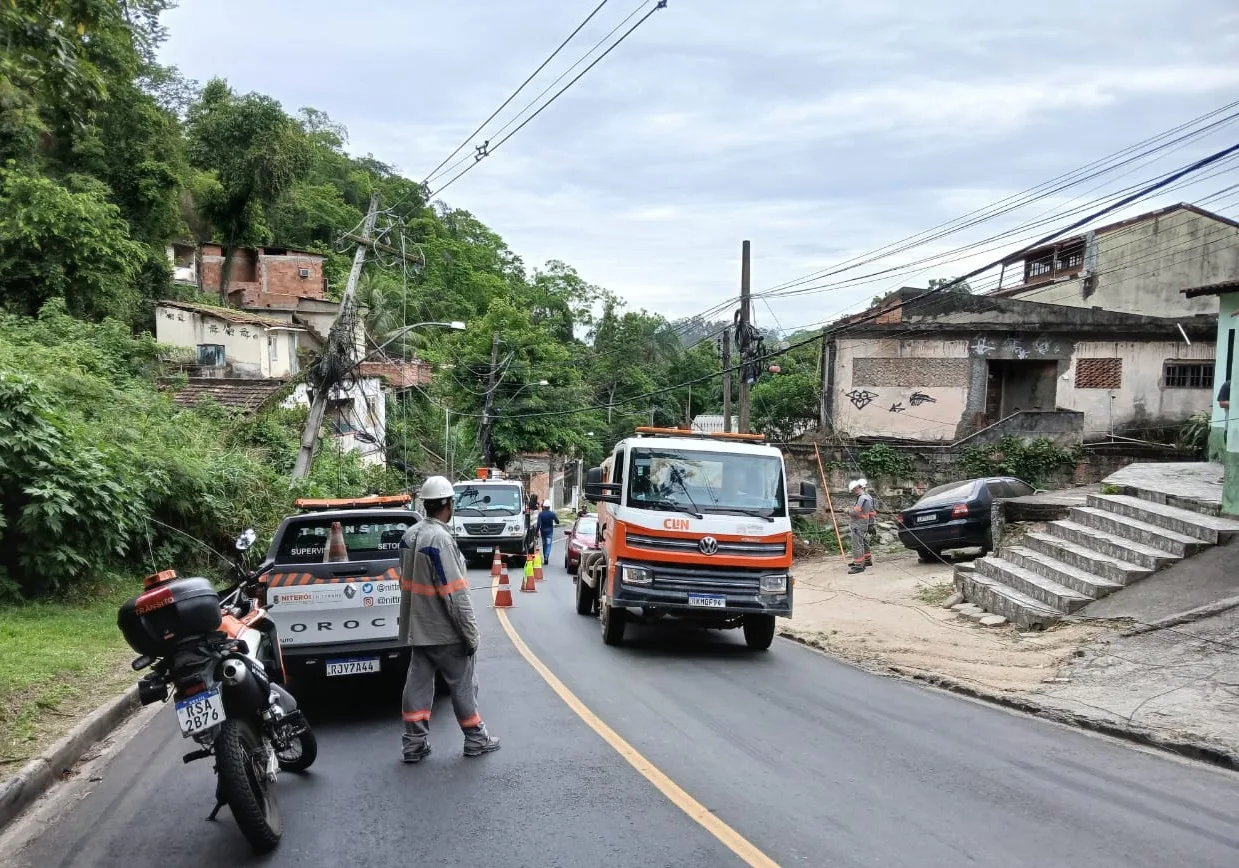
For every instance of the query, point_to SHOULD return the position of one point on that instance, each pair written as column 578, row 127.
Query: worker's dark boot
column 417, row 754
column 856, row 568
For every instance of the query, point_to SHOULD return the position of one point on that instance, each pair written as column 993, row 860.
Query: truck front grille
column 484, row 529
column 707, row 581
column 667, row 544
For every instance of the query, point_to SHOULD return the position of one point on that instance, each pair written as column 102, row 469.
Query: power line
column 661, row 4
column 514, row 93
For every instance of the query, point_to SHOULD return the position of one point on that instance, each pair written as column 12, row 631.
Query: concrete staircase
column 1101, row 547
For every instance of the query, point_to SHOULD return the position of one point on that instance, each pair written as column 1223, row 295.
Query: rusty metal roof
column 1225, row 287
column 229, row 314
column 245, row 395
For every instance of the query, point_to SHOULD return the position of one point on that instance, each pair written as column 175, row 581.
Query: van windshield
column 707, row 482
column 488, row 500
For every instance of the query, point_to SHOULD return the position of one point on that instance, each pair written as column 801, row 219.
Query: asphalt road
column 814, row 762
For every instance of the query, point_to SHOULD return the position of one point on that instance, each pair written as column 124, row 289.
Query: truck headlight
column 514, row 527
column 637, row 576
column 774, row 584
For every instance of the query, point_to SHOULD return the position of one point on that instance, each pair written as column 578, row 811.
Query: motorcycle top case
column 167, row 612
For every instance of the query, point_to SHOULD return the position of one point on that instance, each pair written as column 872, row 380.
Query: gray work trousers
column 419, row 693
column 860, row 545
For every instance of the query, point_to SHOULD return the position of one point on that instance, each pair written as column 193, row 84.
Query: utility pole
column 727, row 380
column 491, row 384
column 744, row 338
column 309, row 436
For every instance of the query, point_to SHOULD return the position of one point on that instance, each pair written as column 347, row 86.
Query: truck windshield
column 488, row 500
column 711, row 482
column 305, row 540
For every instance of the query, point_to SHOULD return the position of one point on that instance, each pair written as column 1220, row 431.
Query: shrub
column 1036, row 461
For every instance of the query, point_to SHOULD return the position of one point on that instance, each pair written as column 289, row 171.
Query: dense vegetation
column 106, row 157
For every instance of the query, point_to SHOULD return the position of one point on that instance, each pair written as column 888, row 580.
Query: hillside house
column 229, row 342
column 945, row 367
column 1136, row 266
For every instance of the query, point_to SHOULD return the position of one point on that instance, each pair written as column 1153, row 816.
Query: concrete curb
column 1195, row 750
column 1199, row 613
column 37, row 776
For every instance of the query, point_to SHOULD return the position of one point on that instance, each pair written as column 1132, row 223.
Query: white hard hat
column 857, row 483
column 436, row 488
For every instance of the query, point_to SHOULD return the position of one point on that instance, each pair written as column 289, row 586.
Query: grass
column 57, row 660
column 935, row 594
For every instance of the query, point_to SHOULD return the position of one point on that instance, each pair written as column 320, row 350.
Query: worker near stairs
column 864, row 515
column 437, row 620
column 547, row 520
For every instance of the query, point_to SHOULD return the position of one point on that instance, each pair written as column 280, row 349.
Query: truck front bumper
column 484, row 546
column 708, row 594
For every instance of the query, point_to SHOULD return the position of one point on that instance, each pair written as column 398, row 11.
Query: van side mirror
column 806, row 501
column 597, row 491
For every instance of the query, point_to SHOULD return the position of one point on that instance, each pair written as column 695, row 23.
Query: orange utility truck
column 695, row 528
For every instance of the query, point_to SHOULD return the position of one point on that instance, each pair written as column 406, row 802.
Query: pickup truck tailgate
column 320, row 604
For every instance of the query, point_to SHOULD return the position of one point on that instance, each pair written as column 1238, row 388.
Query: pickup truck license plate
column 926, row 519
column 485, row 550
column 200, row 711
column 708, row 601
column 353, row 666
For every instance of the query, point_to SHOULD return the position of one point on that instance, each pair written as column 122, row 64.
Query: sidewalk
column 1177, row 686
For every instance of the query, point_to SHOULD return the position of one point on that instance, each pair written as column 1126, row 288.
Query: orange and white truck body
column 695, row 527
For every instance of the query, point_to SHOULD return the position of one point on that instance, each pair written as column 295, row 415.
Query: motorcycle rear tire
column 252, row 800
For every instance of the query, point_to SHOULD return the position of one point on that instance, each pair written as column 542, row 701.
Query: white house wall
column 245, row 345
column 911, row 389
column 367, row 411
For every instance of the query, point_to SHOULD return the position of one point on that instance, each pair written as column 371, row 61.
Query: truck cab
column 694, row 528
column 491, row 514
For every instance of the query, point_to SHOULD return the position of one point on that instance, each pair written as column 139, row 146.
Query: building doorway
column 1013, row 385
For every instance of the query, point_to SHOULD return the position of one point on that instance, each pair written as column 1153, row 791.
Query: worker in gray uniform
column 437, row 620
column 864, row 514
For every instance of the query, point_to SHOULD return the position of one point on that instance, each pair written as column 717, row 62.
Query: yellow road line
column 728, row 836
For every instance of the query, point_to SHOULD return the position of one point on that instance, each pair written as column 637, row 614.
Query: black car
column 956, row 515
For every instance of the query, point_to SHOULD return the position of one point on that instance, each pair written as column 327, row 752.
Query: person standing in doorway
column 864, row 513
column 437, row 620
column 547, row 522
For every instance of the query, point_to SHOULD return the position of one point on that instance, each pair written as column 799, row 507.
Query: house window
column 1188, row 375
column 1039, row 267
column 1070, row 257
column 1099, row 373
column 273, row 348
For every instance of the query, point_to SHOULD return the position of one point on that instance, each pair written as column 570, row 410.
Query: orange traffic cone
column 496, row 564
column 336, row 550
column 503, row 596
column 527, row 584
column 537, row 565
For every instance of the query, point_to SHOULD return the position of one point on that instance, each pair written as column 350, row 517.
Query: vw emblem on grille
column 708, row 545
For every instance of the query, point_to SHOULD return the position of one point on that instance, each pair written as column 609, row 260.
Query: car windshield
column 488, row 500
column 587, row 527
column 305, row 539
column 951, row 493
column 718, row 482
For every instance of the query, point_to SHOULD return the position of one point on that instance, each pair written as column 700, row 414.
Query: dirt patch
column 891, row 616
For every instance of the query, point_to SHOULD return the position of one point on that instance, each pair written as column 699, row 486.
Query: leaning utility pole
column 743, row 337
column 309, row 436
column 491, row 385
column 727, row 380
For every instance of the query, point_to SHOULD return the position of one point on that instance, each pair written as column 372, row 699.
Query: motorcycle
column 218, row 654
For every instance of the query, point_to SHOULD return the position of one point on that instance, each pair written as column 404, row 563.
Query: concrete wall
column 911, row 389
column 364, row 407
column 1142, row 268
column 251, row 349
column 934, row 389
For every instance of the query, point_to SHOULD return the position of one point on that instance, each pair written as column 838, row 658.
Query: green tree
column 785, row 406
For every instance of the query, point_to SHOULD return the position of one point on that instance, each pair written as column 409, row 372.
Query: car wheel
column 987, row 544
column 927, row 556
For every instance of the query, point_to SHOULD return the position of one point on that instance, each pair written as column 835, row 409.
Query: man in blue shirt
column 547, row 520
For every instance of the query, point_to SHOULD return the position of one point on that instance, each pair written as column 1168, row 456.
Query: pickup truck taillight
column 961, row 509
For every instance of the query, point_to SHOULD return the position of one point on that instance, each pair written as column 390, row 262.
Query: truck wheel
column 758, row 631
column 613, row 621
column 585, row 597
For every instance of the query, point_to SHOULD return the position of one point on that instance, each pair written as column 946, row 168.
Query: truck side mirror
column 597, row 491
column 806, row 501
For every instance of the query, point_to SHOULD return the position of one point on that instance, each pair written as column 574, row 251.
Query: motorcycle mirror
column 246, row 539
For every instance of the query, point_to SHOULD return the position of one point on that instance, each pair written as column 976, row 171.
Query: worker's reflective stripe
column 415, row 716
column 460, row 584
column 471, row 722
column 418, row 589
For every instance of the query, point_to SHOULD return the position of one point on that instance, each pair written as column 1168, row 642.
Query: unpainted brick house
column 945, row 367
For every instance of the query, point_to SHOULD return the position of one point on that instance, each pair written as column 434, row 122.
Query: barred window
column 1188, row 375
column 1099, row 373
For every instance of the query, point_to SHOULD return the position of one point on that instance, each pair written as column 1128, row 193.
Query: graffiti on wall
column 1016, row 346
column 861, row 398
column 916, row 399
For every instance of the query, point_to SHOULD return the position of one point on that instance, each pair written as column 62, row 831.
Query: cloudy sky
column 819, row 130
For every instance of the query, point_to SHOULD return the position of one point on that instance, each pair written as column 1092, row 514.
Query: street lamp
column 455, row 325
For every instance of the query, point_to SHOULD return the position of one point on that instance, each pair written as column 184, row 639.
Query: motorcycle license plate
column 200, row 711
column 708, row 601
column 353, row 666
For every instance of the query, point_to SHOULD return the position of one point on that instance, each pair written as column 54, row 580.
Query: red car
column 581, row 536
